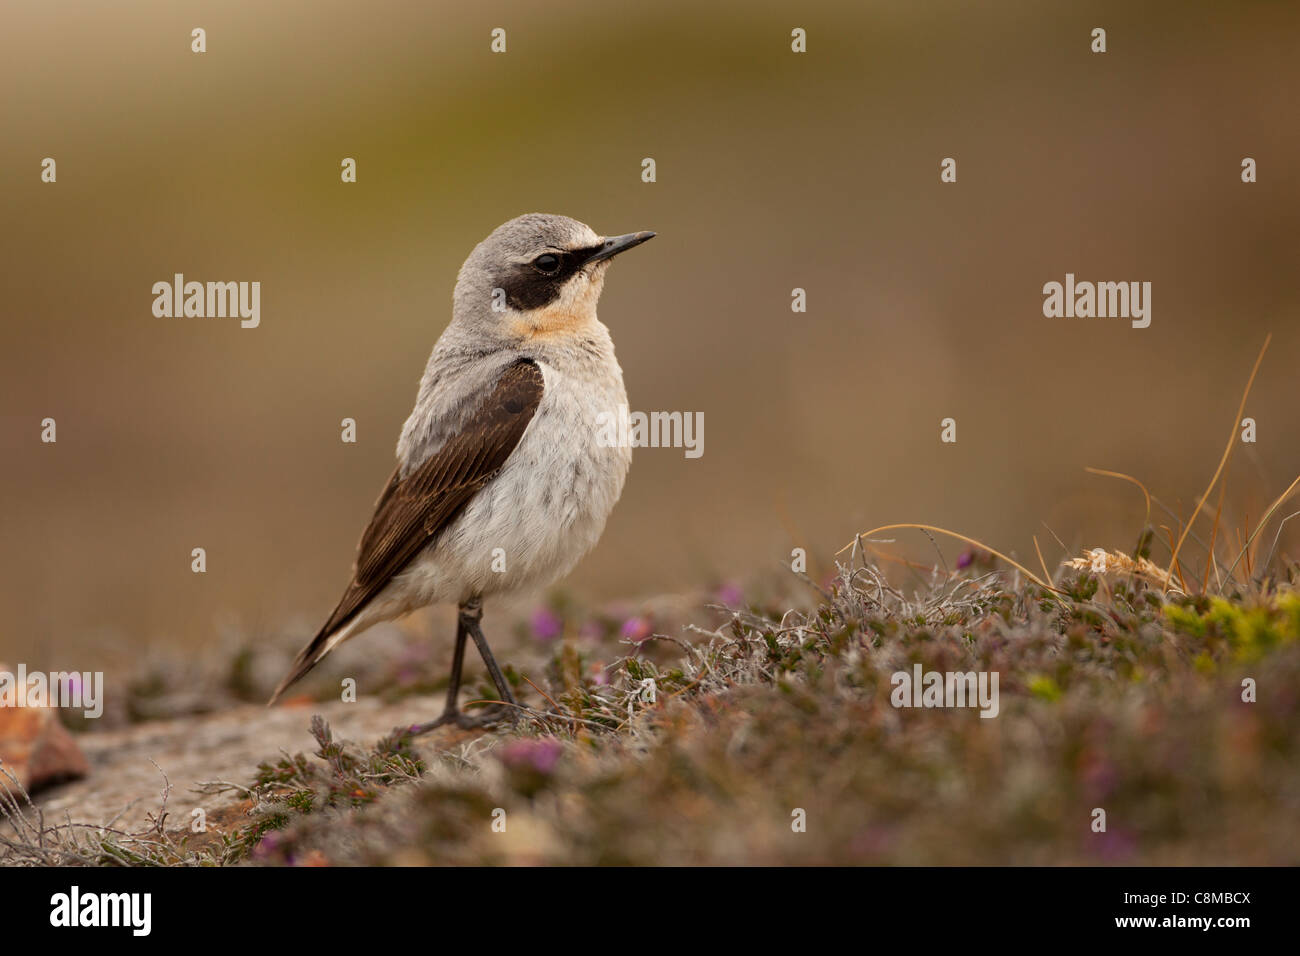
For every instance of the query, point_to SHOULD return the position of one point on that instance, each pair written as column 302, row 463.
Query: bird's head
column 537, row 279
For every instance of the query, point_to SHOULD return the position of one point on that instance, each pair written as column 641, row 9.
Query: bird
column 501, row 483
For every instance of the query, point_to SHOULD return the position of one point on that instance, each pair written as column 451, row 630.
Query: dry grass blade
column 1227, row 453
column 1119, row 474
column 1046, row 574
column 1277, row 503
column 960, row 537
column 1214, row 534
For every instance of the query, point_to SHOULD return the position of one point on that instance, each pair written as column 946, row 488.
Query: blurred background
column 775, row 170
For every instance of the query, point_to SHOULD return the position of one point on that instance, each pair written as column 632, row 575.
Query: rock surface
column 125, row 786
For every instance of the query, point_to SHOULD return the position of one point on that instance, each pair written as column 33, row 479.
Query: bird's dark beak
column 616, row 244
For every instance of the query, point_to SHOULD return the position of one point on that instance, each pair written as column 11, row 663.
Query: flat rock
column 127, row 766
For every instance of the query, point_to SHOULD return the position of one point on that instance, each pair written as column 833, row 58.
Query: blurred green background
column 775, row 170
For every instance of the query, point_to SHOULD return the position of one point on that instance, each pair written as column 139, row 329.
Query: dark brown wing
column 412, row 510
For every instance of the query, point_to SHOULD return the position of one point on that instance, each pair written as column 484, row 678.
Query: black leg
column 456, row 663
column 486, row 653
column 451, row 713
column 467, row 625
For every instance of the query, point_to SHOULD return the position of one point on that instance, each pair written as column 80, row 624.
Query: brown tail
column 307, row 658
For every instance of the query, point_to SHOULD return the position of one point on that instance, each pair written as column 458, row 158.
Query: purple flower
column 965, row 559
column 540, row 755
column 1114, row 845
column 730, row 594
column 547, row 625
column 636, row 629
column 267, row 845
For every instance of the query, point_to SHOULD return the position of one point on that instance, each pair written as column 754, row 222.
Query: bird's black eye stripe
column 548, row 263
column 537, row 282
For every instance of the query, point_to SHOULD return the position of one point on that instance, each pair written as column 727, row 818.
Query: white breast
column 545, row 509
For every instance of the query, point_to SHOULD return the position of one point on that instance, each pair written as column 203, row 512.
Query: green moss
column 1041, row 685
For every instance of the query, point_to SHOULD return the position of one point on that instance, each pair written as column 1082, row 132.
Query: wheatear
column 501, row 483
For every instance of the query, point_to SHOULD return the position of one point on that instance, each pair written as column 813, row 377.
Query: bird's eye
column 547, row 263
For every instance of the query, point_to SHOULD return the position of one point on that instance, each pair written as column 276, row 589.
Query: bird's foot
column 483, row 717
column 488, row 716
